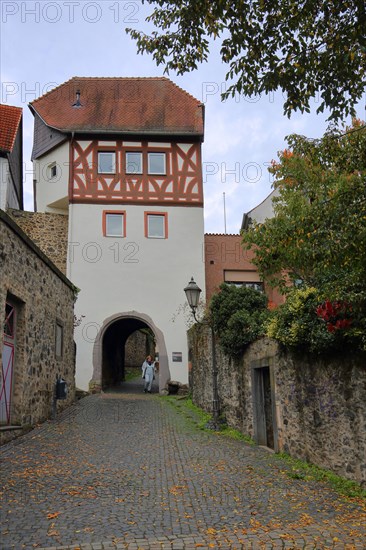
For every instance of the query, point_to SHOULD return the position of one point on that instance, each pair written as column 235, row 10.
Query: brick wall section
column 319, row 405
column 49, row 231
column 42, row 295
column 225, row 252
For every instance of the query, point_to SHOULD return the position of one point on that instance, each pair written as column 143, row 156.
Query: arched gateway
column 108, row 351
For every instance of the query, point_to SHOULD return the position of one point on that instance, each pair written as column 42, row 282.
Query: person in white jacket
column 148, row 373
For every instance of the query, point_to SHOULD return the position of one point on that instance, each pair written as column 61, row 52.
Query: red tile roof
column 121, row 105
column 10, row 118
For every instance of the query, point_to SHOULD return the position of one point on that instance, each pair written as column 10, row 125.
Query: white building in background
column 261, row 212
column 121, row 157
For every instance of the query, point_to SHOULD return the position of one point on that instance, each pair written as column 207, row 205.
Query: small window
column 59, row 339
column 9, row 320
column 133, row 163
column 106, row 163
column 156, row 163
column 114, row 224
column 156, row 225
column 52, row 170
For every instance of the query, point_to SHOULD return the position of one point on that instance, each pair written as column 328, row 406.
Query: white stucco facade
column 52, row 192
column 134, row 274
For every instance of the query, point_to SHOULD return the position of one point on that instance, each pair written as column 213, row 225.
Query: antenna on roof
column 224, row 213
column 77, row 102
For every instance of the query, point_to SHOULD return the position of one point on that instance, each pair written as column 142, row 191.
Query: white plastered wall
column 52, row 190
column 117, row 275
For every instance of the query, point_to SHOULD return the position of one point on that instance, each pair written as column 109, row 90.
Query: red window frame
column 104, row 223
column 146, row 224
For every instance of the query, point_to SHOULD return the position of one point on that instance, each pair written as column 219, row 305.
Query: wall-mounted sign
column 177, row 356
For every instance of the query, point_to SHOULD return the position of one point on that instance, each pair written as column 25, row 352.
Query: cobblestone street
column 128, row 470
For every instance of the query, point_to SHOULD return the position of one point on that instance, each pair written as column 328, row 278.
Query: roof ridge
column 185, row 91
column 50, row 91
column 101, row 78
column 11, row 106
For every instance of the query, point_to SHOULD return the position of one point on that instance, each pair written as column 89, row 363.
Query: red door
column 6, row 381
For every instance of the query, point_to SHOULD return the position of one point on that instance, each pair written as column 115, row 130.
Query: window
column 52, row 170
column 156, row 225
column 9, row 320
column 106, row 162
column 248, row 278
column 156, row 163
column 255, row 286
column 114, row 224
column 133, row 163
column 59, row 339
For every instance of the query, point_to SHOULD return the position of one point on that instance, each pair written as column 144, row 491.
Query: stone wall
column 137, row 347
column 49, row 232
column 43, row 298
column 314, row 409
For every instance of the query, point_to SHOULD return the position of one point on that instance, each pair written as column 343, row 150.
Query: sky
column 44, row 43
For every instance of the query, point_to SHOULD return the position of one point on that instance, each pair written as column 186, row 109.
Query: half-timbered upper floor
column 118, row 140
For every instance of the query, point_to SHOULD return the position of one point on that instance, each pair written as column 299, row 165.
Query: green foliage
column 200, row 419
column 295, row 323
column 318, row 233
column 301, row 47
column 238, row 315
column 309, row 472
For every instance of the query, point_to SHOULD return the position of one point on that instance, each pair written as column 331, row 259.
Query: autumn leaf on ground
column 53, row 516
column 177, row 489
column 52, row 532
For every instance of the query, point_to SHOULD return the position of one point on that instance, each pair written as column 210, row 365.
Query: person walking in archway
column 148, row 373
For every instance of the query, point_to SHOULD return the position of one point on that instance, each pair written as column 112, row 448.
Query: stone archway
column 125, row 324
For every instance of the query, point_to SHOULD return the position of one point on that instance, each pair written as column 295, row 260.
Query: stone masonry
column 318, row 409
column 43, row 298
column 49, row 232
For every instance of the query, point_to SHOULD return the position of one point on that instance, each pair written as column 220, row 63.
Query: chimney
column 77, row 102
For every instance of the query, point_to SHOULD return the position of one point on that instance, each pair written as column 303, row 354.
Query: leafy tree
column 318, row 234
column 302, row 47
column 296, row 325
column 238, row 315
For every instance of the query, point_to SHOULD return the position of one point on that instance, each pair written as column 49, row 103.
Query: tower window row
column 134, row 163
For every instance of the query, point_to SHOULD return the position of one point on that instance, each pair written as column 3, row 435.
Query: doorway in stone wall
column 265, row 430
column 7, row 367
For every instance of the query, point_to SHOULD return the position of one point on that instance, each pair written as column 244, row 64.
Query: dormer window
column 106, row 162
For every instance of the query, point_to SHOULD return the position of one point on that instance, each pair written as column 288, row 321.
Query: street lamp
column 193, row 292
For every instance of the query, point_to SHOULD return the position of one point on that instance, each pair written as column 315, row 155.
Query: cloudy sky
column 44, row 43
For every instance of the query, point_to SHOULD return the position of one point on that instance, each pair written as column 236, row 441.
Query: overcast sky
column 44, row 43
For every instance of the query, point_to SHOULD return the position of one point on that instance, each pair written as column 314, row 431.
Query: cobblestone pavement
column 128, row 470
